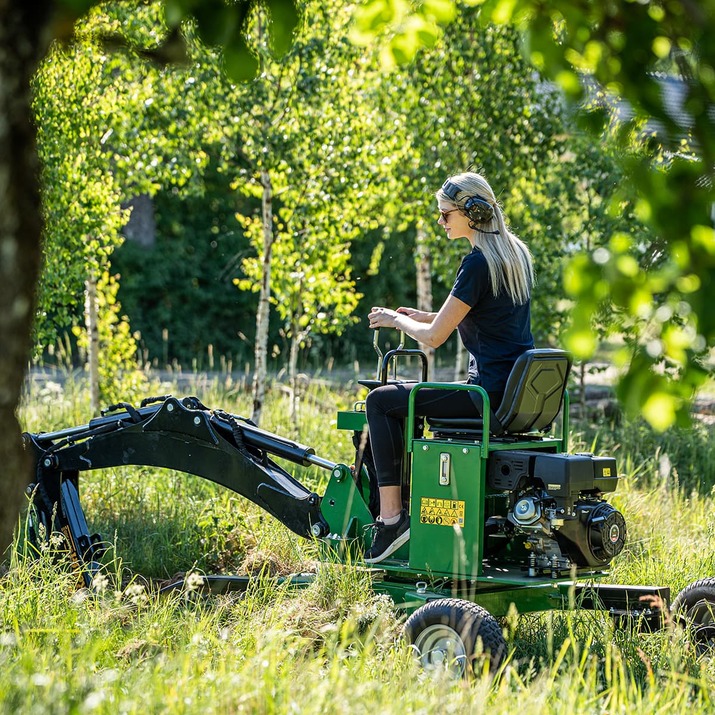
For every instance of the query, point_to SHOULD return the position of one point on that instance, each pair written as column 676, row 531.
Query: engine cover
column 563, row 476
column 595, row 537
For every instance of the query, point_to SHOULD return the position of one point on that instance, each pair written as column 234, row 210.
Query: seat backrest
column 534, row 392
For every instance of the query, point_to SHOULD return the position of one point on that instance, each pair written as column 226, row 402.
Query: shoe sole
column 401, row 539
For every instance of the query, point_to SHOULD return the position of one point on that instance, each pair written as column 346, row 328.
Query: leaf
column 660, row 410
column 373, row 15
column 239, row 62
column 284, row 15
column 442, row 11
column 219, row 24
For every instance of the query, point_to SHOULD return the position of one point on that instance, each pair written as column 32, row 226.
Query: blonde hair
column 508, row 258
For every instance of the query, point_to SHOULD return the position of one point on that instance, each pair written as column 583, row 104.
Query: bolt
column 170, row 407
column 315, row 529
column 197, row 420
column 465, row 450
column 425, row 447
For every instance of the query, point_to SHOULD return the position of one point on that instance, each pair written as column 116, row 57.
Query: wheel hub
column 440, row 648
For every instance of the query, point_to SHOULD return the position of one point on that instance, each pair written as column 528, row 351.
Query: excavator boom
column 179, row 434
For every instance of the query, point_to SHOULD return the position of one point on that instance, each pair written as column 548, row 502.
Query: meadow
column 334, row 646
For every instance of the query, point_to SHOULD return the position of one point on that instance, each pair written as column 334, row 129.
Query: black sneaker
column 387, row 539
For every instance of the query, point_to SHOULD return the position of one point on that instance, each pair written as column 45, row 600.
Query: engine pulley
column 606, row 532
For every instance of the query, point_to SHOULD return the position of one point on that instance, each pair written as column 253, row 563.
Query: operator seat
column 533, row 397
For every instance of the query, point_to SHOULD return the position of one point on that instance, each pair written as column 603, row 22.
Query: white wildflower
column 194, row 581
column 100, row 583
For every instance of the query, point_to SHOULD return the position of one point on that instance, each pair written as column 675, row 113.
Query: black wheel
column 694, row 609
column 451, row 634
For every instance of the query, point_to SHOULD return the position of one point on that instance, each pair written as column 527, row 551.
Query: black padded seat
column 372, row 384
column 533, row 397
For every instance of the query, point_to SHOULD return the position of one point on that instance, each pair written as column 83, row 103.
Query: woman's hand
column 382, row 317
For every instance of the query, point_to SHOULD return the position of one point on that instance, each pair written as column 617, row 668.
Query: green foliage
column 621, row 46
column 412, row 26
column 179, row 292
column 675, row 459
column 81, row 199
column 104, row 137
column 470, row 98
column 227, row 25
column 306, row 118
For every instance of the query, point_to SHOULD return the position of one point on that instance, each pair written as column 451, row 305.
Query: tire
column 451, row 634
column 694, row 609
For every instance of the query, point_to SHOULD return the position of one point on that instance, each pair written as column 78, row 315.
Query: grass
column 333, row 646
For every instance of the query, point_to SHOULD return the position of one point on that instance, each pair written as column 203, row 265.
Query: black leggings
column 386, row 409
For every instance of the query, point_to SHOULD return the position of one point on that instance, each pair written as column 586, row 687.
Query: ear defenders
column 476, row 208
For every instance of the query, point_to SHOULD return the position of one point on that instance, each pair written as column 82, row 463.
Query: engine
column 552, row 506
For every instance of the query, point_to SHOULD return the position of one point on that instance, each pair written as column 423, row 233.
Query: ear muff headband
column 476, row 208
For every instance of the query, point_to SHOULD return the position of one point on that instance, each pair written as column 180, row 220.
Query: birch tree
column 26, row 31
column 118, row 145
column 314, row 150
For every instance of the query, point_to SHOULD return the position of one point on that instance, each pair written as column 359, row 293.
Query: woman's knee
column 371, row 402
column 379, row 400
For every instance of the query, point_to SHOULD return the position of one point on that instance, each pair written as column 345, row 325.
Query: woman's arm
column 421, row 316
column 434, row 333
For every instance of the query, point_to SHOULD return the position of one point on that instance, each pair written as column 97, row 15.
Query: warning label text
column 442, row 512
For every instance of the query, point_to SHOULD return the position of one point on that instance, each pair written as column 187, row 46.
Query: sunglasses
column 444, row 214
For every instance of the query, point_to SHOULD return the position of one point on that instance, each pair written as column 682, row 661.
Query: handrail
column 376, row 346
column 486, row 416
column 410, row 434
column 565, row 426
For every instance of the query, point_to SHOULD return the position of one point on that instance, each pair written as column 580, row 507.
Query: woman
column 489, row 305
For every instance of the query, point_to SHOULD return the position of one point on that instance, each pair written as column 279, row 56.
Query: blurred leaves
column 668, row 157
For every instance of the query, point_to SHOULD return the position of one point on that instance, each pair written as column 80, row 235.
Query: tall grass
column 333, row 646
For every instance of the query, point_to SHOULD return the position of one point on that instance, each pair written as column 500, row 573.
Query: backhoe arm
column 176, row 434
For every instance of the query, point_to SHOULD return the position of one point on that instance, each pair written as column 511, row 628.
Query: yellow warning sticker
column 606, row 471
column 442, row 512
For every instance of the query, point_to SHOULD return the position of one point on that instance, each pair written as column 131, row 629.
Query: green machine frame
column 444, row 556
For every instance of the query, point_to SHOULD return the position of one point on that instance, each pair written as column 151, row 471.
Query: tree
column 307, row 117
column 26, row 30
column 123, row 143
column 24, row 38
column 621, row 45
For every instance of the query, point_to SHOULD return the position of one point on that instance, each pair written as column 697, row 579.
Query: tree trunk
column 293, row 380
column 141, row 227
column 23, row 41
column 582, row 387
column 296, row 337
column 263, row 313
column 91, row 323
column 423, row 265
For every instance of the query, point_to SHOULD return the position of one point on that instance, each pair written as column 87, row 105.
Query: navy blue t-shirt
column 496, row 330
